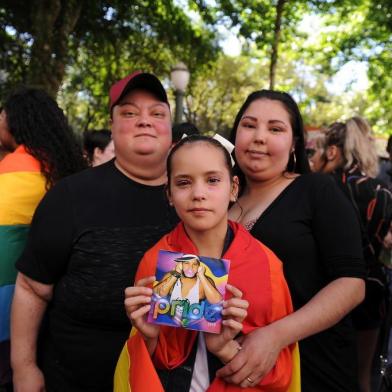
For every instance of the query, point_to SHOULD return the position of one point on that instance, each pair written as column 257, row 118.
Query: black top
column 87, row 237
column 313, row 229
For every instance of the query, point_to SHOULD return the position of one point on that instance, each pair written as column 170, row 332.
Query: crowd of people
column 304, row 224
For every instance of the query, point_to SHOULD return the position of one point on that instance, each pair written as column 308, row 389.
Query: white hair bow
column 225, row 143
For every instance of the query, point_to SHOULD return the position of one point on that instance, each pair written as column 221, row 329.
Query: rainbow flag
column 256, row 271
column 22, row 186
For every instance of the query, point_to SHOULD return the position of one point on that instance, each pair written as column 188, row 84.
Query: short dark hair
column 95, row 138
column 187, row 128
column 197, row 139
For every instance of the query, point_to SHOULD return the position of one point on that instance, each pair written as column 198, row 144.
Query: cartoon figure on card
column 188, row 281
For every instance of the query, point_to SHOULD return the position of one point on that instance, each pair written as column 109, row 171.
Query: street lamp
column 180, row 78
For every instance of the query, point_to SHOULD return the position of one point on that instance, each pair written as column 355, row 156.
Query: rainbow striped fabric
column 22, row 186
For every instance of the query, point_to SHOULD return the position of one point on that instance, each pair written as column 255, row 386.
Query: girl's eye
column 182, row 183
column 213, row 180
column 276, row 129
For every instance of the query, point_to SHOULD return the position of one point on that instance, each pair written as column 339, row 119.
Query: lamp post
column 180, row 78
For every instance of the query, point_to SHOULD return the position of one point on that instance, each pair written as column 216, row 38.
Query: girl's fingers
column 237, row 313
column 135, row 291
column 236, row 302
column 137, row 301
column 233, row 290
column 145, row 281
column 140, row 312
column 233, row 324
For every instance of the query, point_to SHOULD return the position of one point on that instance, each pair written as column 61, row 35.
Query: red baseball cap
column 137, row 80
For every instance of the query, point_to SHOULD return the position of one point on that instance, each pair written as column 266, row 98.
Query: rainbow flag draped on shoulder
column 258, row 273
column 22, row 186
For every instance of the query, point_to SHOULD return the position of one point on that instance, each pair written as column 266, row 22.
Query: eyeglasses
column 310, row 152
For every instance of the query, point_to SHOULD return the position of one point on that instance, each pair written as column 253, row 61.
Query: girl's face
column 201, row 188
column 264, row 140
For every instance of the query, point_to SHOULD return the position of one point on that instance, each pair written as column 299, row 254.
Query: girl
column 201, row 186
column 304, row 218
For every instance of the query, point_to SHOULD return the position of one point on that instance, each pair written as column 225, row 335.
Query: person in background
column 185, row 128
column 304, row 219
column 98, row 146
column 315, row 150
column 385, row 172
column 87, row 238
column 351, row 156
column 41, row 149
column 3, row 152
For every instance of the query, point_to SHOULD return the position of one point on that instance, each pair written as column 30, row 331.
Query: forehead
column 139, row 97
column 199, row 155
column 268, row 108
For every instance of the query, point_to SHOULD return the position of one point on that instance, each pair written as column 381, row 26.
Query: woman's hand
column 260, row 350
column 234, row 312
column 137, row 305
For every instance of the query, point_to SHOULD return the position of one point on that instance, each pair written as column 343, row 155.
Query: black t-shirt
column 87, row 238
column 313, row 229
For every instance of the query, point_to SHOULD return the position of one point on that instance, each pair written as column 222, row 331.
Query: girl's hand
column 137, row 305
column 234, row 311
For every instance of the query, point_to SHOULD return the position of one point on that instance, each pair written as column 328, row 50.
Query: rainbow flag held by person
column 22, row 186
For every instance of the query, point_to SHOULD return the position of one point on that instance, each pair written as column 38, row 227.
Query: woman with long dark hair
column 303, row 217
column 42, row 149
column 33, row 119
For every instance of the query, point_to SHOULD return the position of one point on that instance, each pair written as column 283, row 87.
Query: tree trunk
column 53, row 21
column 275, row 44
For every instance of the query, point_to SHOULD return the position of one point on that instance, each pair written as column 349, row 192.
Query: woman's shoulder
column 316, row 179
column 317, row 185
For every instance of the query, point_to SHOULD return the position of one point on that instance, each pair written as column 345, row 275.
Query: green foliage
column 93, row 43
column 216, row 95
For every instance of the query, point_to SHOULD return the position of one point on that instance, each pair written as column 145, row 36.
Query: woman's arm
column 28, row 307
column 261, row 347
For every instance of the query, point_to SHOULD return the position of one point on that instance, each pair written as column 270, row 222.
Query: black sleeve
column 337, row 232
column 49, row 242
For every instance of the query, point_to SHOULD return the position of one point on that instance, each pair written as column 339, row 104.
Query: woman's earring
column 294, row 161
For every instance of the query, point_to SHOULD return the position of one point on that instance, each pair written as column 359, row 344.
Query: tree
column 215, row 96
column 263, row 24
column 360, row 31
column 47, row 36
